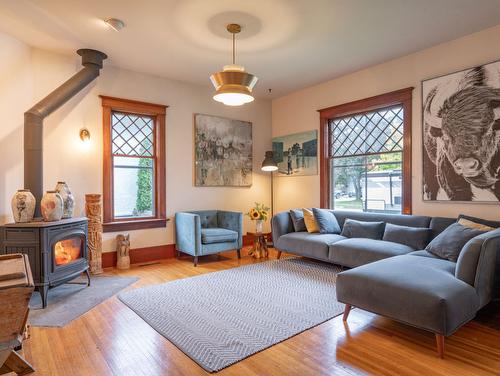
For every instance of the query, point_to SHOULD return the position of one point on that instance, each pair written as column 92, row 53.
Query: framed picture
column 223, row 152
column 461, row 135
column 296, row 154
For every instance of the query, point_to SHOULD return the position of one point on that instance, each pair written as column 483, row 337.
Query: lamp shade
column 269, row 164
column 233, row 86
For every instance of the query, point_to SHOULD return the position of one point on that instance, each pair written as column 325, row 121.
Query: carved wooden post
column 93, row 212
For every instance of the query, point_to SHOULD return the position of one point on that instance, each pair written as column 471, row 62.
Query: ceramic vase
column 23, row 206
column 52, row 206
column 67, row 197
column 258, row 225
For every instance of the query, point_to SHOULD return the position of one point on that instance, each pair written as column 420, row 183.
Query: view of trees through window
column 133, row 165
column 366, row 161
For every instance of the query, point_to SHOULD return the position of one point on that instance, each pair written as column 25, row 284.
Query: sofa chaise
column 409, row 285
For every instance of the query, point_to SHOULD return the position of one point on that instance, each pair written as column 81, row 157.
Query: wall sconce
column 85, row 135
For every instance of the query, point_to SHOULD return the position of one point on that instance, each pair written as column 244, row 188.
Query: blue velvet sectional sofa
column 394, row 280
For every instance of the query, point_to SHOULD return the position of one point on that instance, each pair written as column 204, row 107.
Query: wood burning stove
column 57, row 251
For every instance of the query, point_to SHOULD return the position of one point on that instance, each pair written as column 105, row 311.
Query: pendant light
column 233, row 86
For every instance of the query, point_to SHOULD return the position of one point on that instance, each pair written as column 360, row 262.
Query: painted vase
column 258, row 225
column 23, row 206
column 52, row 206
column 67, row 197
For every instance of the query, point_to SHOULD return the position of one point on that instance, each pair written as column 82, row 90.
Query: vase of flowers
column 259, row 213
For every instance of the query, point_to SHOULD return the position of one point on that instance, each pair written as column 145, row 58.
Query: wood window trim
column 158, row 112
column 399, row 97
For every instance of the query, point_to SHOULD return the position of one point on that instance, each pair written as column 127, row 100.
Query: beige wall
column 67, row 159
column 16, row 91
column 298, row 112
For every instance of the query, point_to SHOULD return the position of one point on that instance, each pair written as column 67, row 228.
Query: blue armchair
column 206, row 232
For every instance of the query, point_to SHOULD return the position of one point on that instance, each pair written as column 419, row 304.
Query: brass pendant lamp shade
column 233, row 86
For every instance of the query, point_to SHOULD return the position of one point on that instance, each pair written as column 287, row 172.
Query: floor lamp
column 270, row 165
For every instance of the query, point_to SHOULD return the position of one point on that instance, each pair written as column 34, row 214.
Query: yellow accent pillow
column 470, row 224
column 310, row 221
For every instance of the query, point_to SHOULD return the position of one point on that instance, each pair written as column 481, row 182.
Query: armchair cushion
column 208, row 218
column 218, row 235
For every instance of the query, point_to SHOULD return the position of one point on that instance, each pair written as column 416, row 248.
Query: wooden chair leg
column 238, row 252
column 279, row 255
column 347, row 310
column 17, row 364
column 440, row 345
column 195, row 260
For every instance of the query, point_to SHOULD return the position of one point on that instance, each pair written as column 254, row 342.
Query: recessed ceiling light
column 115, row 24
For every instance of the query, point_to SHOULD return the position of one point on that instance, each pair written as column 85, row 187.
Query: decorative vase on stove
column 51, row 206
column 258, row 225
column 67, row 197
column 23, row 206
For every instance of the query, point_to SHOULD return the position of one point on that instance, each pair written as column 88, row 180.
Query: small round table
column 259, row 249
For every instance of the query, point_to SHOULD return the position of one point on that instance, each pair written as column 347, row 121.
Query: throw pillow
column 474, row 224
column 449, row 243
column 309, row 220
column 326, row 220
column 297, row 216
column 360, row 229
column 413, row 237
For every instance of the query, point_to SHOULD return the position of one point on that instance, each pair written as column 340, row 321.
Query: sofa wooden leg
column 347, row 310
column 279, row 255
column 238, row 252
column 195, row 260
column 440, row 345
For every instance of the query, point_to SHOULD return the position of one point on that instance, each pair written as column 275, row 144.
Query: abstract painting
column 296, row 154
column 223, row 152
column 461, row 135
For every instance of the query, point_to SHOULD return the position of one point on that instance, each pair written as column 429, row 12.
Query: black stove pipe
column 33, row 120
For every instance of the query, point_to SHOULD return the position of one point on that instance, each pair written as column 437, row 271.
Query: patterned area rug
column 71, row 300
column 220, row 318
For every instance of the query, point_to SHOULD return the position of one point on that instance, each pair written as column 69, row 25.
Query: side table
column 259, row 249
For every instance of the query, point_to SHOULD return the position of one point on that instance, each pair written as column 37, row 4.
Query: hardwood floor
column 112, row 340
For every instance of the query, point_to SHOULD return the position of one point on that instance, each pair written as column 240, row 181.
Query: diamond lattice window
column 132, row 135
column 374, row 132
column 366, row 156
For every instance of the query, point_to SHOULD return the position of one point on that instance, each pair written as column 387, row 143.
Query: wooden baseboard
column 141, row 255
column 156, row 253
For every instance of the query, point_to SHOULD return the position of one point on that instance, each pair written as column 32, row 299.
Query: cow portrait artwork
column 461, row 135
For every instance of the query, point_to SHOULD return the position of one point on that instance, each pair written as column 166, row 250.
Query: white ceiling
column 288, row 44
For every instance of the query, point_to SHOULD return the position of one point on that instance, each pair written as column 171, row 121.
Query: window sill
column 136, row 224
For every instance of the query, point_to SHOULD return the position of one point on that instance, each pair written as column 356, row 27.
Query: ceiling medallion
column 233, row 86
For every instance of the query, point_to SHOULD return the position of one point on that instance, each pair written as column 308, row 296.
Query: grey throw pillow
column 327, row 222
column 413, row 237
column 449, row 243
column 360, row 229
column 297, row 216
